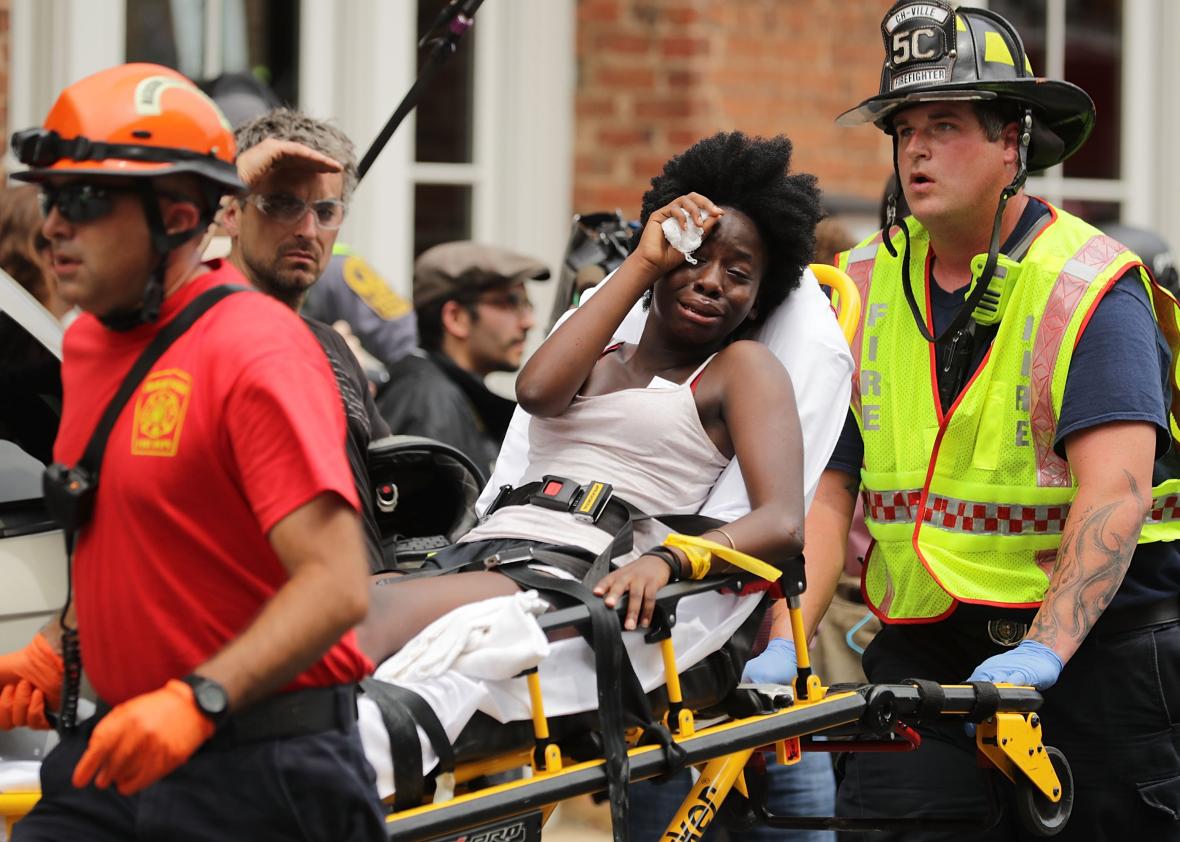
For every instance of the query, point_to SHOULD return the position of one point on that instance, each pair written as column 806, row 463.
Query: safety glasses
column 80, row 201
column 288, row 210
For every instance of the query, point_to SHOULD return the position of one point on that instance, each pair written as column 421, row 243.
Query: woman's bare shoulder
column 748, row 355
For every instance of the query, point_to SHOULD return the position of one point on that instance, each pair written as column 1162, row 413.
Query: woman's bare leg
column 400, row 608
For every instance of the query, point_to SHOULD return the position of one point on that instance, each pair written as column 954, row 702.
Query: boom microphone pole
column 458, row 15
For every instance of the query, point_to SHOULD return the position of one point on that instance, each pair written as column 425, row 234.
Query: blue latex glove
column 1030, row 663
column 776, row 664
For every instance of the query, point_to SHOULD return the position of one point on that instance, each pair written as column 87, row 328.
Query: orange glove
column 144, row 739
column 29, row 678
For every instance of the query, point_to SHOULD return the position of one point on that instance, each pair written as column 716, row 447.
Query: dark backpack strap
column 92, row 457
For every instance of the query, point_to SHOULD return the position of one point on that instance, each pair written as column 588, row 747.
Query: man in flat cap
column 473, row 315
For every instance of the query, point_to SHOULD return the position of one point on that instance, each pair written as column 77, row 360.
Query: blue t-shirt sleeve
column 1119, row 369
column 849, row 454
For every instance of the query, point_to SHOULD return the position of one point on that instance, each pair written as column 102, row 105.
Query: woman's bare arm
column 759, row 413
column 554, row 374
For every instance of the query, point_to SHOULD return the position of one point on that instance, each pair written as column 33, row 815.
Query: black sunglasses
column 79, row 201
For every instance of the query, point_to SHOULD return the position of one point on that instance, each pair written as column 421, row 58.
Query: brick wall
column 656, row 75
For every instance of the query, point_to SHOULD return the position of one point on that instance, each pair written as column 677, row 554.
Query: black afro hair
column 750, row 175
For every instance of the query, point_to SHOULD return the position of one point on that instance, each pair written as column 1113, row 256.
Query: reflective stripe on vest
column 956, row 515
column 860, row 269
column 1068, row 291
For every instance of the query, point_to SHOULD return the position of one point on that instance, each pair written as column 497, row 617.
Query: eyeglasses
column 79, row 201
column 288, row 210
column 517, row 302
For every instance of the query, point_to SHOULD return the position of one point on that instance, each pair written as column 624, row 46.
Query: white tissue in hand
column 687, row 239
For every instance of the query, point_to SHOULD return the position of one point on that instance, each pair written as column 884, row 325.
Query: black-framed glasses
column 288, row 210
column 80, row 201
column 517, row 302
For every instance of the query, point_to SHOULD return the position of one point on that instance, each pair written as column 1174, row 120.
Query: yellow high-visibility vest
column 971, row 505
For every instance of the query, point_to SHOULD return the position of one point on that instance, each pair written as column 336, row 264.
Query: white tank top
column 648, row 443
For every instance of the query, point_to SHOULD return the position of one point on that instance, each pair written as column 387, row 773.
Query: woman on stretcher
column 658, row 420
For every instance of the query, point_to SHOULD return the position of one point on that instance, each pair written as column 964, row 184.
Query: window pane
column 445, row 114
column 1094, row 62
column 257, row 36
column 442, row 213
column 29, row 410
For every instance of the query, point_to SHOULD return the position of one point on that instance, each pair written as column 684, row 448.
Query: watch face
column 211, row 698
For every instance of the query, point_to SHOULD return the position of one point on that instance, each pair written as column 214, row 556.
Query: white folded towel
column 493, row 639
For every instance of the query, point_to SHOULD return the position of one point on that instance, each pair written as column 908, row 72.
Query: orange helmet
column 132, row 120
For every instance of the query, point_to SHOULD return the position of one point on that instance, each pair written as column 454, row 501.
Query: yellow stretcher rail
column 846, row 298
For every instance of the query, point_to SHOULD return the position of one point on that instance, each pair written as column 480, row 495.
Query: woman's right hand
column 654, row 252
column 639, row 581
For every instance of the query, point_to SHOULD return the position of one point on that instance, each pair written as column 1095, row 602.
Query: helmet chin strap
column 989, row 266
column 162, row 244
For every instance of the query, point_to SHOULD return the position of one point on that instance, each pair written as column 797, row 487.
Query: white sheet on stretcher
column 802, row 333
column 704, row 623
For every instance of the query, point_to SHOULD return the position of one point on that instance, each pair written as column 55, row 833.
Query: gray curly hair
column 288, row 124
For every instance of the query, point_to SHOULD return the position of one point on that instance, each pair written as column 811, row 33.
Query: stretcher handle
column 846, row 300
column 740, row 560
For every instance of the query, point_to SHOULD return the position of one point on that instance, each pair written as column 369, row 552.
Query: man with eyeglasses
column 300, row 173
column 473, row 316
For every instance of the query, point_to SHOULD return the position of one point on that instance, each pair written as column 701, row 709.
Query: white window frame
column 52, row 44
column 521, row 169
column 1136, row 188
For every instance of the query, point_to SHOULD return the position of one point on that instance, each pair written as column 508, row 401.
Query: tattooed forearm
column 1095, row 552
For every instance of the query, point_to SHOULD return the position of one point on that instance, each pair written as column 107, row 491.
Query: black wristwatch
column 211, row 698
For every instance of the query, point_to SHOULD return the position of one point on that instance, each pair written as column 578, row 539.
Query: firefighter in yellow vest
column 1012, row 398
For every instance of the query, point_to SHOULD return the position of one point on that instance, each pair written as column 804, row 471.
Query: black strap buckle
column 586, row 502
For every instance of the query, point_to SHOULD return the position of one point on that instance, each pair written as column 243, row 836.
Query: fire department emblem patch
column 160, row 408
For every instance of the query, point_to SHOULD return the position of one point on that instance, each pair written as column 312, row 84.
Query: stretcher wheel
column 880, row 711
column 1036, row 812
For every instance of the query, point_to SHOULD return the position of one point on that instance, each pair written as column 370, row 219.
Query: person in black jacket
column 473, row 316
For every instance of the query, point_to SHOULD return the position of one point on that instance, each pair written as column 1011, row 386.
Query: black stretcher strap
column 386, row 694
column 931, row 697
column 605, row 638
column 403, row 711
column 987, row 701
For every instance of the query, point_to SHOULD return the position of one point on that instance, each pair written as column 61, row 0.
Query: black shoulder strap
column 92, row 457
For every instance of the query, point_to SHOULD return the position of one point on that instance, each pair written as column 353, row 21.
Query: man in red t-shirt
column 218, row 579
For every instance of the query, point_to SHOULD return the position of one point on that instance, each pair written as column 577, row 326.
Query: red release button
column 551, row 489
